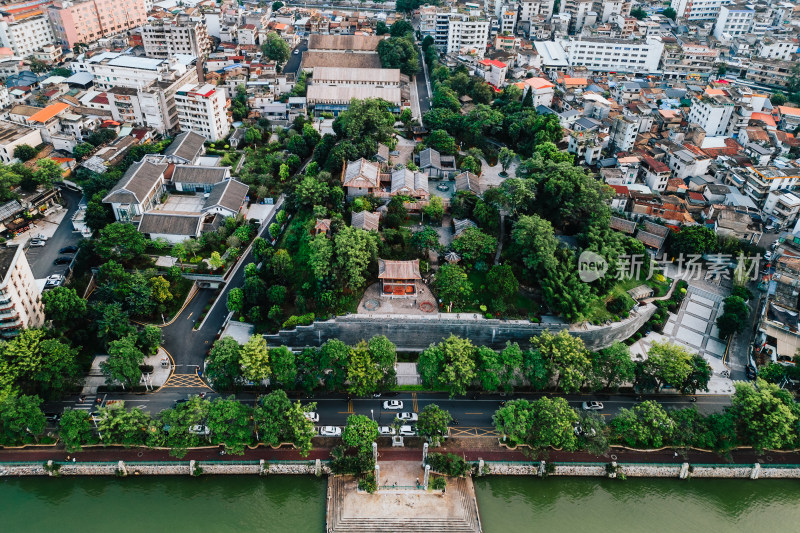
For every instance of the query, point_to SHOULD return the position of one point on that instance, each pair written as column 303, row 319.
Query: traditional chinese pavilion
column 399, row 278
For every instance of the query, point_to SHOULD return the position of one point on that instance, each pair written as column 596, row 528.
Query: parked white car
column 311, row 415
column 392, row 405
column 408, row 431
column 54, row 281
column 592, row 406
column 408, row 417
column 330, row 431
column 34, row 243
column 199, row 430
column 386, row 431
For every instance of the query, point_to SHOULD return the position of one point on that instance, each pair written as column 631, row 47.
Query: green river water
column 296, row 504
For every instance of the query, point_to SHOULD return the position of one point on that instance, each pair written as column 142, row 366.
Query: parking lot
column 59, row 235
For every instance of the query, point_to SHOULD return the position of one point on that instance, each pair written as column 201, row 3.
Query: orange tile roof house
column 399, row 278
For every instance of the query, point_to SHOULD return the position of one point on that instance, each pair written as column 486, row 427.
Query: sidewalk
column 46, row 227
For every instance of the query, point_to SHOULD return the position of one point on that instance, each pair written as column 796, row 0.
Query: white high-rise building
column 27, row 35
column 733, row 21
column 698, row 9
column 712, row 112
column 467, row 34
column 528, row 9
column 203, row 109
column 20, row 298
column 614, row 55
column 182, row 35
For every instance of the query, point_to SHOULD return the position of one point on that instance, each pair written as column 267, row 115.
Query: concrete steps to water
column 466, row 520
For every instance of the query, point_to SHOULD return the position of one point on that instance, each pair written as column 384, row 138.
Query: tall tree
column 355, row 250
column 229, row 422
column 123, row 362
column 363, row 374
column 567, row 357
column 611, row 367
column 284, row 368
column 254, row 357
column 449, row 365
column 360, row 432
column 21, row 420
column 766, row 416
column 275, row 48
column 120, row 241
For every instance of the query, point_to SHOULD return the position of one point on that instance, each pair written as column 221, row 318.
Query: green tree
column 275, row 48
column 21, row 420
column 699, row 375
column 540, row 424
column 123, row 362
column 566, row 356
column 229, row 422
column 535, row 239
column 490, row 367
column 117, row 425
column 647, row 425
column 442, row 142
column 63, row 306
column 363, row 374
column 252, row 135
column 502, row 284
column 160, row 288
column 278, row 420
column 452, row 285
column 235, row 301
column 47, row 172
column 360, row 432
column 435, row 209
column 254, row 357
column 150, row 339
column 639, row 13
column 670, row 13
column 334, row 356
column 401, row 28
column 449, row 365
column 75, row 429
column 284, row 368
column 120, row 241
column 766, row 416
column 381, row 28
column 370, row 118
column 25, row 152
column 611, row 367
column 470, row 164
column 224, row 363
column 400, row 53
column 474, row 245
column 777, row 98
column 693, row 240
column 425, row 239
column 355, row 249
column 506, row 157
column 734, row 317
column 311, row 191
column 433, row 422
column 670, row 363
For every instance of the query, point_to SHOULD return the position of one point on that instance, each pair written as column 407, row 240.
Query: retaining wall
column 650, row 471
column 417, row 332
column 185, row 468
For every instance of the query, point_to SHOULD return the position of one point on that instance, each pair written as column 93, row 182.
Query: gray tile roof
column 620, row 224
column 656, row 229
column 460, row 224
column 139, row 180
column 165, row 224
column 228, row 194
column 430, row 158
column 365, row 220
column 187, row 145
column 467, row 181
column 405, row 181
column 361, row 173
column 193, row 174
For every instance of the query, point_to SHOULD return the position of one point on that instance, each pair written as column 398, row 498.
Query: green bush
column 438, row 483
column 294, row 321
column 368, row 484
column 448, row 464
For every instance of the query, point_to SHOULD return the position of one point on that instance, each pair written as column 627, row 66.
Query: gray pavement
column 41, row 258
column 293, row 64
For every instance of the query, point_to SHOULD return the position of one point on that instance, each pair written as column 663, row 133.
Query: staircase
column 465, row 520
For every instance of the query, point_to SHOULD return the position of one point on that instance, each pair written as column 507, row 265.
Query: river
column 296, row 504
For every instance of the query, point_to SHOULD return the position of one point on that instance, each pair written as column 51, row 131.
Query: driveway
column 59, row 234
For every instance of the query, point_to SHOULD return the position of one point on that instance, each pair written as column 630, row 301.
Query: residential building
column 579, row 12
column 733, row 21
column 20, row 302
column 138, row 191
column 182, row 35
column 493, row 71
column 86, row 21
column 772, row 72
column 758, row 182
column 333, row 88
column 682, row 60
column 585, row 145
column 360, row 178
column 467, row 34
column 531, row 9
column 614, row 55
column 25, row 35
column 782, row 49
column 113, row 69
column 541, row 89
column 782, row 208
column 687, row 162
column 13, row 135
column 655, row 174
column 695, row 10
column 203, row 109
column 712, row 111
column 622, row 135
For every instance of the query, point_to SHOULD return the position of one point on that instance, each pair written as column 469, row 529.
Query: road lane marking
column 350, row 407
column 190, row 315
column 473, row 413
column 414, row 402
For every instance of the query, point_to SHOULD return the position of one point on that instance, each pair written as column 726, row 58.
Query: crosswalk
column 473, row 432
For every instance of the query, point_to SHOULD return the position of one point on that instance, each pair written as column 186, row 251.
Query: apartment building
column 693, row 10
column 531, row 9
column 712, row 111
column 773, row 72
column 614, row 55
column 26, row 35
column 682, row 60
column 655, row 174
column 467, row 34
column 733, row 21
column 579, row 12
column 13, row 135
column 782, row 208
column 112, row 69
column 20, row 301
column 203, row 109
column 782, row 49
column 758, row 182
column 622, row 135
column 493, row 71
column 85, row 21
column 181, row 35
column 456, row 30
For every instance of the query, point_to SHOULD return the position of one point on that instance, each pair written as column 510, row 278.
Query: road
column 41, row 258
column 293, row 64
column 422, row 87
column 470, row 412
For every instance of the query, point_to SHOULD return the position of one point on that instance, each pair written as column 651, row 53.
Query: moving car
column 392, row 405
column 296, row 51
column 36, row 242
column 63, row 260
column 386, row 431
column 409, row 417
column 68, row 250
column 408, row 431
column 592, row 406
column 311, row 415
column 330, row 431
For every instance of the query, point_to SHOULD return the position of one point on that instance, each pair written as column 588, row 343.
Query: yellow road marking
column 414, row 402
column 350, row 407
column 473, row 413
column 190, row 315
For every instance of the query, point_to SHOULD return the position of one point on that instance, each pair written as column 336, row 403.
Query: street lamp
column 372, row 414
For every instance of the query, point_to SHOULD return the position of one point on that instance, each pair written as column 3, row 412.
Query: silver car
column 330, row 431
column 392, row 405
column 592, row 406
column 408, row 431
column 408, row 417
column 386, row 431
